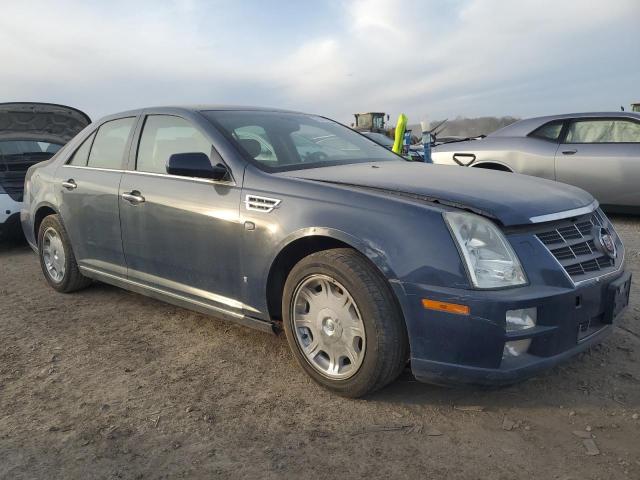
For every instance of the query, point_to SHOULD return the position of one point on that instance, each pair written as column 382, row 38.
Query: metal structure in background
column 371, row 122
column 426, row 141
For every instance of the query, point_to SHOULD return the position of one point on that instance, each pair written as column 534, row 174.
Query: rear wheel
column 56, row 257
column 343, row 324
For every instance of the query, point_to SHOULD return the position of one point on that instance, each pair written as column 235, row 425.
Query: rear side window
column 603, row 131
column 549, row 131
column 81, row 155
column 164, row 135
column 109, row 145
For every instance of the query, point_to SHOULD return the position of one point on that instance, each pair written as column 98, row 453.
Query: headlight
column 491, row 262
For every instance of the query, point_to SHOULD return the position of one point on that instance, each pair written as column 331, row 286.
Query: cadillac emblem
column 605, row 242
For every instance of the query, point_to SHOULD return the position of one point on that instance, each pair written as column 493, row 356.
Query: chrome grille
column 572, row 244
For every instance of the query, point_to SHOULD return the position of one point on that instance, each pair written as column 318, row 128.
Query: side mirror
column 195, row 164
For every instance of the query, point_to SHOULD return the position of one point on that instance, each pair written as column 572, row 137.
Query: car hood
column 41, row 122
column 510, row 198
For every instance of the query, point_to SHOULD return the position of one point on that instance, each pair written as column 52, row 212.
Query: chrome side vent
column 261, row 204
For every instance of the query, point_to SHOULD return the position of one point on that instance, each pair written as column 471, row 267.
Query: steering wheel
column 316, row 157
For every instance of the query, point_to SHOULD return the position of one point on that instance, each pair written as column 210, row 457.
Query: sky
column 431, row 59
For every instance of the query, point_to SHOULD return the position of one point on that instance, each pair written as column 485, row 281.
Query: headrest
column 252, row 146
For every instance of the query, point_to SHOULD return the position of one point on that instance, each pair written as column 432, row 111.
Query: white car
column 598, row 152
column 29, row 133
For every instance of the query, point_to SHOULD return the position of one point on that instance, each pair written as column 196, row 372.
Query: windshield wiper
column 477, row 137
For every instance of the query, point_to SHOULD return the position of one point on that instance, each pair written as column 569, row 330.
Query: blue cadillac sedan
column 280, row 220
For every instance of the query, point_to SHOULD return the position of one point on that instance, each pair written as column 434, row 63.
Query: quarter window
column 81, row 155
column 603, row 131
column 549, row 131
column 109, row 145
column 164, row 135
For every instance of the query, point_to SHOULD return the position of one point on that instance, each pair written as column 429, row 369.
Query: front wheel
column 56, row 257
column 343, row 324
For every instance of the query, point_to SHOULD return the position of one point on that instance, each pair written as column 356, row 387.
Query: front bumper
column 451, row 348
column 9, row 216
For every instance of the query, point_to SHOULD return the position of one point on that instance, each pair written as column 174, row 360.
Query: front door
column 180, row 234
column 89, row 188
column 602, row 156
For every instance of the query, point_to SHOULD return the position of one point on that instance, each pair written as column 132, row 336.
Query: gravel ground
column 109, row 384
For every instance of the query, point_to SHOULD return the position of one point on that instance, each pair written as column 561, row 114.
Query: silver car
column 599, row 152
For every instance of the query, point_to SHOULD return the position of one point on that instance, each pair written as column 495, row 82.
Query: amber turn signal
column 445, row 307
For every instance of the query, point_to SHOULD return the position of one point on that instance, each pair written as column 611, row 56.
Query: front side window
column 280, row 141
column 603, row 131
column 248, row 135
column 81, row 155
column 549, row 131
column 109, row 145
column 165, row 135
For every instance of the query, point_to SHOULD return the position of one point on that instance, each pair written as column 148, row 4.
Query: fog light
column 522, row 319
column 518, row 321
column 516, row 348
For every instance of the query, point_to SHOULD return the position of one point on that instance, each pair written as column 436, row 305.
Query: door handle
column 569, row 152
column 134, row 197
column 70, row 184
column 464, row 159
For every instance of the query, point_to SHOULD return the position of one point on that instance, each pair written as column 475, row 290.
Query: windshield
column 28, row 147
column 380, row 138
column 277, row 141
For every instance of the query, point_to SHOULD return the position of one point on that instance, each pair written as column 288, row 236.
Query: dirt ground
column 109, row 384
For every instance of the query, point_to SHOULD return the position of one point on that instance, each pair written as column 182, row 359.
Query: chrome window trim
column 100, row 169
column 576, row 212
column 229, row 183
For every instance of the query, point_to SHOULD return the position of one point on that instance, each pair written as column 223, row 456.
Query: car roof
column 191, row 109
column 522, row 128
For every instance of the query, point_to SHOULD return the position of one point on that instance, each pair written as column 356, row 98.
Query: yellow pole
column 401, row 126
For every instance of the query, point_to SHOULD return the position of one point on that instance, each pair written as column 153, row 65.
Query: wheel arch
column 493, row 165
column 310, row 241
column 43, row 211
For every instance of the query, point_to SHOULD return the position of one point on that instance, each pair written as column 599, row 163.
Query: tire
column 57, row 260
column 327, row 341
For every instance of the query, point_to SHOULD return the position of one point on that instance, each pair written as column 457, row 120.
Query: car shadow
column 14, row 244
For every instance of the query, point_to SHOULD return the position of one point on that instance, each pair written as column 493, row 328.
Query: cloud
column 426, row 58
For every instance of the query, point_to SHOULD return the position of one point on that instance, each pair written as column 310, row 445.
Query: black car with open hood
column 30, row 133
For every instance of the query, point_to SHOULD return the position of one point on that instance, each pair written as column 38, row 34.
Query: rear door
column 89, row 185
column 602, row 156
column 181, row 234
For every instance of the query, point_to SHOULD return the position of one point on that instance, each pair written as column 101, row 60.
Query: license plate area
column 617, row 298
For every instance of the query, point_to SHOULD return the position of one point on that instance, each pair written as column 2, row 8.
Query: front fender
column 406, row 239
column 364, row 245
